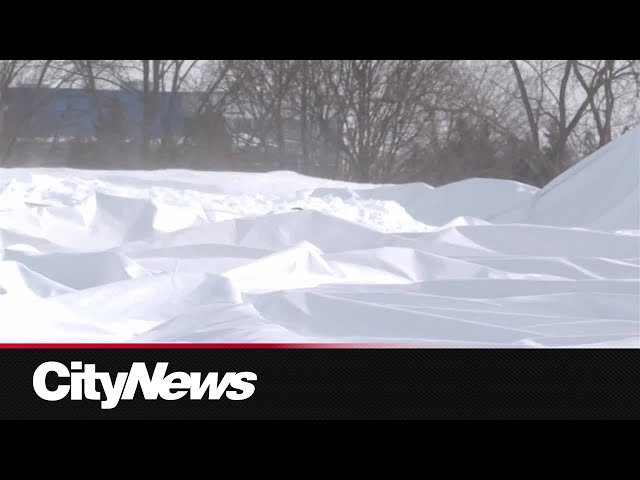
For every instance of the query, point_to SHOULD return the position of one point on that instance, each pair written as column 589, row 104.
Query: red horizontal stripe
column 209, row 345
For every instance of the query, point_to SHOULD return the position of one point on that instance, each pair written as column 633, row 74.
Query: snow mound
column 182, row 256
column 600, row 192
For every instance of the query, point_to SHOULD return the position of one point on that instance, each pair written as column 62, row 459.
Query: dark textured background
column 354, row 384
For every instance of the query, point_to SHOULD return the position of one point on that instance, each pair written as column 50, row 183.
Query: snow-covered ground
column 183, row 256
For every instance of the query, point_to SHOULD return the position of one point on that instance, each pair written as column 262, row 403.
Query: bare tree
column 9, row 71
column 369, row 120
column 618, row 78
column 263, row 100
column 37, row 70
column 547, row 90
column 382, row 107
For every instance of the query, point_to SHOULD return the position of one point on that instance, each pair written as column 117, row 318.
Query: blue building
column 44, row 113
column 46, row 122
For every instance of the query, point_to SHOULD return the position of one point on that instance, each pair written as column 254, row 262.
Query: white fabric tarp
column 183, row 256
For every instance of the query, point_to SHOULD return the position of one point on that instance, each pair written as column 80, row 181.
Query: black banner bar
column 320, row 384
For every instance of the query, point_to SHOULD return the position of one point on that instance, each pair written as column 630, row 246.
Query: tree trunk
column 278, row 115
column 146, row 111
column 304, row 133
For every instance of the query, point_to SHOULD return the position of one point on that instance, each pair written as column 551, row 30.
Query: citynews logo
column 84, row 379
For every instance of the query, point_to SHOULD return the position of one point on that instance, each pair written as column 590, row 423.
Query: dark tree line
column 367, row 120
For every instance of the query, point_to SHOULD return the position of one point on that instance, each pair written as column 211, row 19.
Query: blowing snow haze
column 186, row 256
